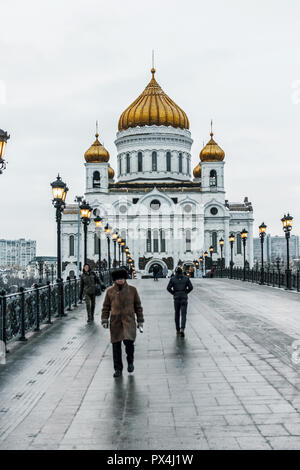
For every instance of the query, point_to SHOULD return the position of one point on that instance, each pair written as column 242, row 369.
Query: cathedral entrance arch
column 163, row 269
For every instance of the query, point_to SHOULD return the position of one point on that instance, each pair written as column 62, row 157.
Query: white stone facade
column 192, row 214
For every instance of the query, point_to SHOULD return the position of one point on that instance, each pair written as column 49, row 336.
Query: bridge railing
column 26, row 310
column 269, row 277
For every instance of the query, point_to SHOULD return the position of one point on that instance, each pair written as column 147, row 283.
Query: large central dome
column 153, row 107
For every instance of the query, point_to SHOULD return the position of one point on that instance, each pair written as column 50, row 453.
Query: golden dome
column 197, row 171
column 96, row 153
column 212, row 152
column 153, row 107
column 111, row 173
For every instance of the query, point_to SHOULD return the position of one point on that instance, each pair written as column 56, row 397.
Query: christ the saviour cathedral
column 168, row 212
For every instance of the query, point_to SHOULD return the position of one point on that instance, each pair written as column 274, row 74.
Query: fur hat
column 119, row 274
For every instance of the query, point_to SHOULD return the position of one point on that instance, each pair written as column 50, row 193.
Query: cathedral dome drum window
column 155, row 204
column 140, row 161
column 154, row 161
column 168, row 161
column 180, row 163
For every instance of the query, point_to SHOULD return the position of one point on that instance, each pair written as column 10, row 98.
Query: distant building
column 17, row 252
column 275, row 247
column 42, row 266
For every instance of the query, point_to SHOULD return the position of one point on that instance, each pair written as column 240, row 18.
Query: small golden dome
column 212, row 152
column 111, row 173
column 197, row 171
column 96, row 153
column 153, row 107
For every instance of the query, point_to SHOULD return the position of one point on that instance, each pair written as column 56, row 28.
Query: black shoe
column 181, row 332
column 130, row 367
column 178, row 332
column 117, row 373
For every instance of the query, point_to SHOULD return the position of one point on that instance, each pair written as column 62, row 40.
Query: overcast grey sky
column 65, row 64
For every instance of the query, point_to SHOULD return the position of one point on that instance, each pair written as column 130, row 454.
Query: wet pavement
column 230, row 383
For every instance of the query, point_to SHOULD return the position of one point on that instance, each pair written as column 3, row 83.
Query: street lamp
column 3, row 140
column 201, row 261
column 221, row 243
column 262, row 234
column 123, row 243
column 59, row 192
column 107, row 229
column 119, row 240
column 231, row 241
column 244, row 235
column 85, row 212
column 115, row 238
column 98, row 224
column 205, row 257
column 287, row 227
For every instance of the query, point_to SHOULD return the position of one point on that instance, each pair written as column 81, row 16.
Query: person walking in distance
column 155, row 272
column 88, row 283
column 121, row 304
column 180, row 286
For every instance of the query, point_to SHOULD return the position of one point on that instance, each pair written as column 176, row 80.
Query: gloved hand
column 104, row 323
column 140, row 326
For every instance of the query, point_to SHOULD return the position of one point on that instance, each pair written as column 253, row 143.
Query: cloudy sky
column 65, row 64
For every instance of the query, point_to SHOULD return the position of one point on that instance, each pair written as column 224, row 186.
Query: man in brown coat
column 121, row 303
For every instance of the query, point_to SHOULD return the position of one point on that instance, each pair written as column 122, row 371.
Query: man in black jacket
column 180, row 286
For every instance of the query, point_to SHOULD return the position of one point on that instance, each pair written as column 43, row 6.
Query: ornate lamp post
column 107, row 229
column 231, row 241
column 98, row 224
column 201, row 261
column 59, row 191
column 123, row 242
column 205, row 257
column 119, row 240
column 262, row 234
column 114, row 238
column 3, row 140
column 221, row 243
column 85, row 212
column 287, row 227
column 244, row 235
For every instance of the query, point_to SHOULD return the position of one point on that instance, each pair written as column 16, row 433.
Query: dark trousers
column 117, row 353
column 90, row 300
column 180, row 306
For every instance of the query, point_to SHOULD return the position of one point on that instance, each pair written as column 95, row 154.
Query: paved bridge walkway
column 230, row 384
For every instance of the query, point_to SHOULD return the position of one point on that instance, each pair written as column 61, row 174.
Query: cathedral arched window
column 71, row 245
column 120, row 166
column 155, row 241
column 127, row 163
column 188, row 240
column 148, row 242
column 187, row 165
column 140, row 161
column 168, row 158
column 238, row 244
column 180, row 163
column 154, row 161
column 96, row 179
column 213, row 178
column 214, row 241
column 162, row 241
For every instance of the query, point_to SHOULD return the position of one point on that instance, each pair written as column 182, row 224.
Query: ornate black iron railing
column 26, row 310
column 268, row 277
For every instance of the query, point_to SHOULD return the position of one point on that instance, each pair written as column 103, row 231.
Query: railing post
column 273, row 278
column 69, row 291
column 75, row 291
column 3, row 309
column 22, row 319
column 37, row 299
column 49, row 322
column 298, row 280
